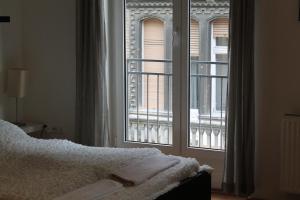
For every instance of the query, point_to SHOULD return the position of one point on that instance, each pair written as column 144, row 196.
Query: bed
column 33, row 168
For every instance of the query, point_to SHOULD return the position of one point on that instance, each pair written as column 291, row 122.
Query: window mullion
column 181, row 72
column 185, row 72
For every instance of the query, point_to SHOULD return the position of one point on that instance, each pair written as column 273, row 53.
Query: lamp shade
column 16, row 82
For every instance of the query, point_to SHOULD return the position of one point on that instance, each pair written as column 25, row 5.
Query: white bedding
column 38, row 169
column 96, row 191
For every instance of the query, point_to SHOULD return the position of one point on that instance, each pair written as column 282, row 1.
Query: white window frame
column 118, row 94
column 143, row 55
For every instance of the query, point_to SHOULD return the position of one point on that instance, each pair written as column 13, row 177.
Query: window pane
column 208, row 73
column 221, row 83
column 221, row 41
column 149, row 71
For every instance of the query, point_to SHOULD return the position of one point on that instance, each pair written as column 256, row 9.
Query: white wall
column 277, row 86
column 41, row 37
column 11, row 51
column 49, row 53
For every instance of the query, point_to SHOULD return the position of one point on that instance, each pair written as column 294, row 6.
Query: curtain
column 92, row 108
column 240, row 147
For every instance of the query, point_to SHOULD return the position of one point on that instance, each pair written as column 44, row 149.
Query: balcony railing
column 149, row 99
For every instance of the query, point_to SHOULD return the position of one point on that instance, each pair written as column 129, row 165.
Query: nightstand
column 33, row 129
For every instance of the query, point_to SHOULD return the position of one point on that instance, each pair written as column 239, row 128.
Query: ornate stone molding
column 148, row 4
column 210, row 4
column 166, row 4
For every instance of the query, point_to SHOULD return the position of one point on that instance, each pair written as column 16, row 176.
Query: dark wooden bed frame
column 198, row 187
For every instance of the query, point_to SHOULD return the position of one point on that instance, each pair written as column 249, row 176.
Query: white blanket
column 38, row 169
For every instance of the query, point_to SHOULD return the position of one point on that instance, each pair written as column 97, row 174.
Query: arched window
column 220, row 32
column 153, row 39
column 195, row 40
column 219, row 53
column 195, row 56
column 153, row 47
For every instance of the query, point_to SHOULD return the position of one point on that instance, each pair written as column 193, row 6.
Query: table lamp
column 16, row 86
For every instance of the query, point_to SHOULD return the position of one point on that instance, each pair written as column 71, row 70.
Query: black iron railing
column 149, row 97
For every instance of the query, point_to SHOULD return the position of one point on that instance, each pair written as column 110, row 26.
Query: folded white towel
column 95, row 191
column 139, row 171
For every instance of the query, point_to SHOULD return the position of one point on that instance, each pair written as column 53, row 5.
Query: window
column 219, row 54
column 153, row 48
column 176, row 79
column 195, row 55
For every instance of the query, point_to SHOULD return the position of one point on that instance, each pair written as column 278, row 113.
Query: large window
column 176, row 78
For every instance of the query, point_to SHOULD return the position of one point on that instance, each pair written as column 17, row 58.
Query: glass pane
column 148, row 26
column 208, row 73
column 222, row 41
